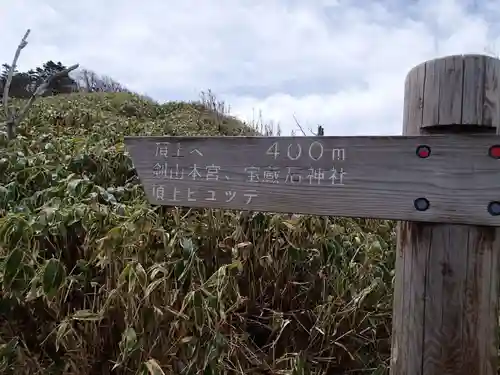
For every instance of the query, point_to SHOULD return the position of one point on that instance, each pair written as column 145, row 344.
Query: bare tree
column 89, row 81
column 13, row 118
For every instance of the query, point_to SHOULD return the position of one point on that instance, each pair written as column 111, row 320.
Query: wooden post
column 445, row 301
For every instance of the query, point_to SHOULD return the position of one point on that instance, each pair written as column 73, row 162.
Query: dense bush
column 93, row 278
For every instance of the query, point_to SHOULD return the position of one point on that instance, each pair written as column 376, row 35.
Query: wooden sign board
column 450, row 179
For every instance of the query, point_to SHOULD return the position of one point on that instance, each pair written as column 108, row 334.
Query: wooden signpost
column 435, row 179
column 445, row 309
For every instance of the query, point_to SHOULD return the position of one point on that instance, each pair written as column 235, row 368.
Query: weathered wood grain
column 446, row 285
column 491, row 92
column 474, row 69
column 455, row 90
column 379, row 177
column 429, row 80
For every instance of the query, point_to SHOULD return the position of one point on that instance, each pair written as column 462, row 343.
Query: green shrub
column 93, row 278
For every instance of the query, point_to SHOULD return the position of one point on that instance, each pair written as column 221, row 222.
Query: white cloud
column 338, row 63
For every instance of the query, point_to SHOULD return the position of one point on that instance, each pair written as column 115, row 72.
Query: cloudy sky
column 338, row 63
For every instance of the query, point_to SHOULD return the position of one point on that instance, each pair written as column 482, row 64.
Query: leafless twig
column 300, row 127
column 13, row 119
column 319, row 133
column 12, row 69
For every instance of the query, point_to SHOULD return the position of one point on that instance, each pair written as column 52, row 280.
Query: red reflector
column 495, row 151
column 423, row 151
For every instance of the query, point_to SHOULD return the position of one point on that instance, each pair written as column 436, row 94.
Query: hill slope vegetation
column 94, row 280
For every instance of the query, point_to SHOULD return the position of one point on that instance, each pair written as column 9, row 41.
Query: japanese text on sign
column 294, row 176
column 194, row 173
column 163, row 150
column 174, row 194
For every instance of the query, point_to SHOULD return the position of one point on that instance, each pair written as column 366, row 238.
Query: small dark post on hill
column 445, row 302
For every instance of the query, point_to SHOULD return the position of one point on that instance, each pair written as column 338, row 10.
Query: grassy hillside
column 96, row 281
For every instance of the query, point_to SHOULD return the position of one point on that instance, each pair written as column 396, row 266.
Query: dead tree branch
column 13, row 119
column 300, row 127
column 12, row 69
column 40, row 90
column 319, row 133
